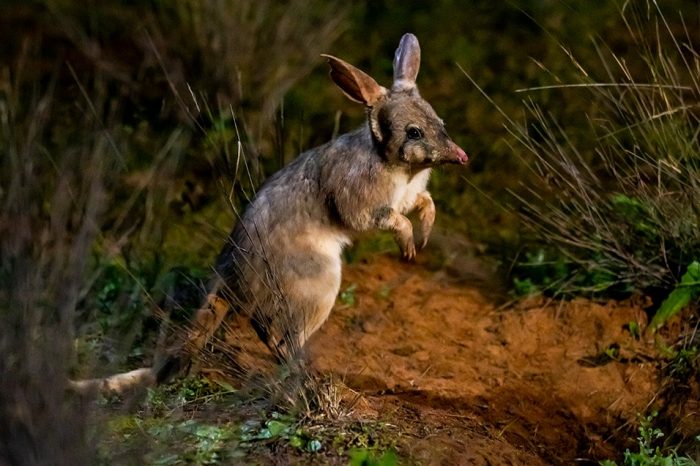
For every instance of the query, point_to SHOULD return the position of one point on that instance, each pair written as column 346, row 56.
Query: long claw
column 424, row 242
column 409, row 253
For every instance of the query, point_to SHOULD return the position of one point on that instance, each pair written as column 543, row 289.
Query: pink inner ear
column 355, row 83
column 347, row 85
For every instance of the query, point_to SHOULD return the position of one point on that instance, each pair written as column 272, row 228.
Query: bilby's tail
column 176, row 362
column 116, row 384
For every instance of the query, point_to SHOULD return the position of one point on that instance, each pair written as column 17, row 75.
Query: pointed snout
column 456, row 154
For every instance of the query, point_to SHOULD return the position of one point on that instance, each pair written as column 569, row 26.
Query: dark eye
column 414, row 133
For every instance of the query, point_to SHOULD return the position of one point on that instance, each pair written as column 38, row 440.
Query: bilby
column 281, row 265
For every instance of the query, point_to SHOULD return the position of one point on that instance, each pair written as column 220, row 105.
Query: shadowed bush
column 621, row 201
column 89, row 179
column 50, row 202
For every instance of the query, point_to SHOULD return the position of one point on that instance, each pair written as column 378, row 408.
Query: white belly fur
column 405, row 191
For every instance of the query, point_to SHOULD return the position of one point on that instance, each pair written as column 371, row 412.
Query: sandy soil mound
column 469, row 383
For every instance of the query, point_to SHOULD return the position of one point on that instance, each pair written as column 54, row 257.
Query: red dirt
column 469, row 383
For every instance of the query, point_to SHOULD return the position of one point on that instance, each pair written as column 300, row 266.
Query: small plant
column 170, row 441
column 548, row 271
column 684, row 292
column 685, row 362
column 198, row 443
column 281, row 428
column 538, row 272
column 648, row 454
column 347, row 296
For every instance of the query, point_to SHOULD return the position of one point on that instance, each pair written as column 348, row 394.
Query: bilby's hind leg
column 318, row 309
column 310, row 303
column 286, row 330
column 276, row 334
column 207, row 320
column 263, row 326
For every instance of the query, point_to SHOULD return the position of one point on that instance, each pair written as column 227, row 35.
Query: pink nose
column 459, row 154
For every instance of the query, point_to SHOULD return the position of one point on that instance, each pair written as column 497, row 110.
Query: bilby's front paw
column 426, row 215
column 408, row 250
column 387, row 218
column 427, row 218
column 404, row 238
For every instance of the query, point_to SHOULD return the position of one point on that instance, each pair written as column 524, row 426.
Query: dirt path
column 468, row 383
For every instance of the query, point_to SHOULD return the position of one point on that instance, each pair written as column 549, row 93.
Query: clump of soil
column 469, row 383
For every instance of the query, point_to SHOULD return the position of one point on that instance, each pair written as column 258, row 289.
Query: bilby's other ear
column 356, row 84
column 406, row 63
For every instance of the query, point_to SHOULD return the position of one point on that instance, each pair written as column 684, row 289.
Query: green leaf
column 685, row 292
column 633, row 327
column 364, row 457
column 677, row 300
column 359, row 457
column 314, row 446
column 276, row 427
column 347, row 297
column 296, row 441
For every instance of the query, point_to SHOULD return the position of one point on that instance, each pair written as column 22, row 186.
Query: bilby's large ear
column 356, row 84
column 406, row 63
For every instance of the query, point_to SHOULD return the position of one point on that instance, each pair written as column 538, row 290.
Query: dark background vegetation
column 131, row 132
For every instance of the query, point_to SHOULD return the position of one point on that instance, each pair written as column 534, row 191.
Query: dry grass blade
column 620, row 198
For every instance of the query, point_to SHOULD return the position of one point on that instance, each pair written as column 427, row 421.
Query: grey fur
column 282, row 263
